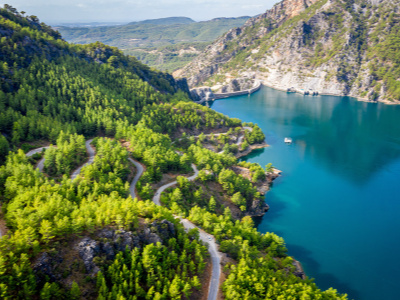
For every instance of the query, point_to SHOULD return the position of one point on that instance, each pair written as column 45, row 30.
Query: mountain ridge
column 330, row 46
column 166, row 44
column 165, row 21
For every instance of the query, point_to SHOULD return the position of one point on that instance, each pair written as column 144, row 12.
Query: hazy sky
column 56, row 11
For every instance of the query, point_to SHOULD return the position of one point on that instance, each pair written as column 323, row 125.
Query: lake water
column 337, row 203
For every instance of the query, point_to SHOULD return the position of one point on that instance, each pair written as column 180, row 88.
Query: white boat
column 288, row 140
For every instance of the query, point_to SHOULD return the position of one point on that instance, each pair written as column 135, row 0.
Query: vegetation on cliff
column 343, row 47
column 87, row 238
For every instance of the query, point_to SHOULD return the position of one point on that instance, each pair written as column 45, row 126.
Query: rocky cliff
column 81, row 258
column 339, row 47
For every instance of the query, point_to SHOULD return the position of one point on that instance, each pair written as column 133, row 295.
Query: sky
column 66, row 11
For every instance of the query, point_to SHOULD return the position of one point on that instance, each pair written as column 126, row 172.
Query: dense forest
column 86, row 238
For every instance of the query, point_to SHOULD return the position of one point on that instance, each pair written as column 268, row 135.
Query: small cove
column 337, row 202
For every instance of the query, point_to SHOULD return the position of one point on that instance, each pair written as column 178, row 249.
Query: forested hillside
column 167, row 43
column 86, row 238
column 340, row 47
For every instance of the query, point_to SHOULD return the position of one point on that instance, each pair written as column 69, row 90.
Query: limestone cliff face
column 340, row 47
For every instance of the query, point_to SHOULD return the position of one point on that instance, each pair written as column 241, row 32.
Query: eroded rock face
column 88, row 249
column 238, row 84
column 202, row 94
column 208, row 63
column 44, row 267
column 165, row 229
column 258, row 208
column 82, row 255
column 325, row 51
column 125, row 239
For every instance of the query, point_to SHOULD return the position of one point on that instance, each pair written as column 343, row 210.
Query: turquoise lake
column 337, row 203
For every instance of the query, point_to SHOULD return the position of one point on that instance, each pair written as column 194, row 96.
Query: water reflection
column 351, row 138
column 353, row 145
column 337, row 201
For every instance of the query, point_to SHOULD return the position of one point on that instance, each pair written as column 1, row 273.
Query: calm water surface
column 337, row 203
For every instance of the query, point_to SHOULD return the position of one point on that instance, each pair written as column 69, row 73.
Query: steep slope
column 340, row 47
column 148, row 39
column 83, row 236
column 46, row 84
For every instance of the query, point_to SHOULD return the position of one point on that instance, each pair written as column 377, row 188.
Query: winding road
column 89, row 149
column 91, row 153
column 215, row 259
column 157, row 195
column 139, row 172
column 205, row 237
column 40, row 164
column 238, row 142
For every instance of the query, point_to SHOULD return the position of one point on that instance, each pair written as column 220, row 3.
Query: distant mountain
column 166, row 21
column 340, row 47
column 94, row 237
column 152, row 33
column 149, row 35
column 88, row 24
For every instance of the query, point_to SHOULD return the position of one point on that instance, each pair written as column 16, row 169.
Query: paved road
column 40, row 164
column 139, row 173
column 238, row 142
column 240, row 139
column 157, row 195
column 215, row 259
column 74, row 174
column 91, row 153
column 37, row 150
column 205, row 237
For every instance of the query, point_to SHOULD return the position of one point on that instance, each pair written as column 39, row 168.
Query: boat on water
column 288, row 140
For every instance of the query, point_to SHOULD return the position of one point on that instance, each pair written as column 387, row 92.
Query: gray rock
column 149, row 237
column 165, row 229
column 88, row 249
column 238, row 84
column 106, row 233
column 202, row 94
column 44, row 267
column 283, row 61
column 123, row 239
column 108, row 249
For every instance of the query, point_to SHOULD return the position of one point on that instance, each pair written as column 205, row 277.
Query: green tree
column 4, row 148
column 75, row 292
column 269, row 168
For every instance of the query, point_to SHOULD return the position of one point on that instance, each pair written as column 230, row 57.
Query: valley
column 166, row 43
column 119, row 180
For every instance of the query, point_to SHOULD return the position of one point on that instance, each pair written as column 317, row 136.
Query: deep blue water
column 337, row 203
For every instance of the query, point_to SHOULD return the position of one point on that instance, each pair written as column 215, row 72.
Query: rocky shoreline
column 331, row 94
column 250, row 149
column 205, row 93
column 285, row 48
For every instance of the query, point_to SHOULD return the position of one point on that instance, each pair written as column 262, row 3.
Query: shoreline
column 251, row 148
column 216, row 96
column 336, row 95
column 275, row 174
column 260, row 83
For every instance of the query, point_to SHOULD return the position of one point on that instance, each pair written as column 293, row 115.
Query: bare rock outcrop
column 202, row 94
column 84, row 254
column 311, row 47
